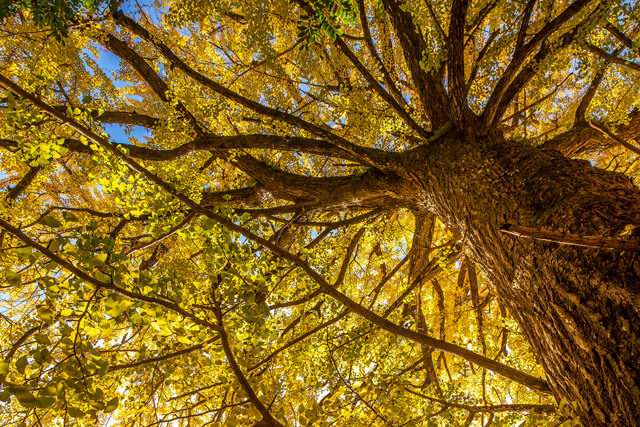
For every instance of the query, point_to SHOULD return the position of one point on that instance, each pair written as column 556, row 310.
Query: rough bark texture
column 577, row 306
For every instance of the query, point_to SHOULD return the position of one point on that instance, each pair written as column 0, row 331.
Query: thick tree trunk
column 579, row 307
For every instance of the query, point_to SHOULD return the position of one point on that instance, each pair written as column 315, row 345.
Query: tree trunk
column 578, row 307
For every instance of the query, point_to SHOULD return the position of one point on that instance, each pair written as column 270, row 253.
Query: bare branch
column 612, row 57
column 571, row 239
column 523, row 407
column 603, row 129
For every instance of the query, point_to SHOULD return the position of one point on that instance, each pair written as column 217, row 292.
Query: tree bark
column 578, row 307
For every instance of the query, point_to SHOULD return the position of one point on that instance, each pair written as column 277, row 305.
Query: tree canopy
column 254, row 213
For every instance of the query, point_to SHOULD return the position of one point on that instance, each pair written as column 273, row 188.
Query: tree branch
column 300, row 338
column 155, row 82
column 103, row 285
column 161, row 357
column 358, row 152
column 509, row 93
column 583, row 139
column 267, row 418
column 500, row 94
column 481, row 55
column 571, row 239
column 373, row 83
column 26, row 180
column 612, row 57
column 524, row 24
column 347, row 257
column 523, row 407
column 457, row 82
column 603, row 129
column 389, row 81
column 430, row 90
column 623, row 38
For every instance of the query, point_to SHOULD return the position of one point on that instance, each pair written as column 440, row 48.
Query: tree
column 321, row 213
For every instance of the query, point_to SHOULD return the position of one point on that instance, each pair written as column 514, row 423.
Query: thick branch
column 571, row 239
column 605, row 131
column 623, row 38
column 326, row 191
column 147, row 73
column 457, row 82
column 583, row 139
column 431, row 92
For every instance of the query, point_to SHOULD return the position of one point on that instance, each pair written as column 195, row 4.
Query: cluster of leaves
column 54, row 15
column 324, row 17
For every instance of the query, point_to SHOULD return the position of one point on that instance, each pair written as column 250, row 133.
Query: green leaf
column 21, row 364
column 45, row 401
column 4, row 367
column 50, row 221
column 100, row 259
column 13, row 278
column 42, row 339
column 112, row 405
column 25, row 398
column 11, row 101
column 75, row 412
column 24, row 254
column 69, row 216
column 47, row 315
